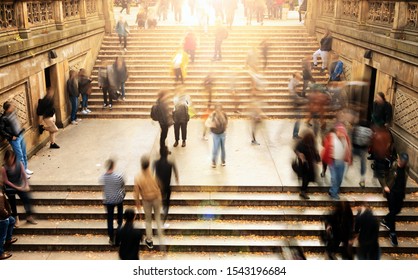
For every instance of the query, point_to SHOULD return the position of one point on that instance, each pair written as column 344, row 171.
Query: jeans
column 106, row 94
column 218, row 49
column 337, row 174
column 362, row 154
column 19, row 147
column 218, row 143
column 179, row 75
column 74, row 107
column 84, row 100
column 24, row 197
column 6, row 231
column 110, row 214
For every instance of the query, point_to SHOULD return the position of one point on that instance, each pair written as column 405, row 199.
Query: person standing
column 163, row 171
column 395, row 194
column 220, row 34
column 323, row 51
column 306, row 75
column 16, row 183
column 190, row 44
column 12, row 130
column 179, row 66
column 47, row 110
column 147, row 190
column 230, row 7
column 308, row 157
column 218, row 122
column 73, row 92
column 366, row 229
column 298, row 101
column 105, row 75
column 7, row 223
column 382, row 111
column 164, row 117
column 122, row 74
column 113, row 196
column 362, row 136
column 122, row 29
column 128, row 238
column 84, row 87
column 181, row 118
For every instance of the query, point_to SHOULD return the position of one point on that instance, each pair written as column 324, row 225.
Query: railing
column 351, row 9
column 381, row 13
column 7, row 16
column 71, row 8
column 40, row 12
column 412, row 17
column 328, row 7
column 91, row 7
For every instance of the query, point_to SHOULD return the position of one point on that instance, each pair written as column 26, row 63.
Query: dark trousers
column 179, row 75
column 218, row 51
column 110, row 208
column 163, row 135
column 106, row 95
column 166, row 194
column 191, row 53
column 395, row 203
column 24, row 197
column 125, row 40
column 183, row 127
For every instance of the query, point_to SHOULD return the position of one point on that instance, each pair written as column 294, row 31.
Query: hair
column 144, row 162
column 109, row 164
column 8, row 155
column 82, row 72
column 309, row 139
column 382, row 95
column 7, row 105
column 129, row 215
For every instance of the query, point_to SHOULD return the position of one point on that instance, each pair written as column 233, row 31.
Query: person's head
column 403, row 159
column 308, row 138
column 380, row 97
column 9, row 157
column 129, row 215
column 144, row 162
column 73, row 74
column 110, row 164
column 82, row 73
column 340, row 131
column 162, row 94
column 218, row 107
column 327, row 32
column 8, row 107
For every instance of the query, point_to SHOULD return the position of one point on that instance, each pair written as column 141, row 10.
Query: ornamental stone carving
column 381, row 12
column 71, row 8
column 351, row 9
column 328, row 7
column 91, row 6
column 7, row 15
column 406, row 113
column 18, row 96
column 412, row 16
column 40, row 12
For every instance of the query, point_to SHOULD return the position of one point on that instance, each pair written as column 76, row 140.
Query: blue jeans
column 6, row 231
column 84, row 100
column 19, row 147
column 362, row 154
column 218, row 143
column 74, row 107
column 337, row 174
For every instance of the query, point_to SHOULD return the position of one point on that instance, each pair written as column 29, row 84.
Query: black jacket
column 129, row 239
column 46, row 106
column 6, row 129
column 326, row 44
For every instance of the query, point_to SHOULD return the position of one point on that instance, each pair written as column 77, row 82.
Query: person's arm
column 176, row 174
column 137, row 195
column 7, row 182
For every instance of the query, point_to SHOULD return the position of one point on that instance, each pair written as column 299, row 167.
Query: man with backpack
column 217, row 122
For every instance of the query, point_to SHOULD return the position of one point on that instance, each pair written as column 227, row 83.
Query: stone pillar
column 312, row 15
column 59, row 15
column 108, row 16
column 100, row 9
column 400, row 21
column 338, row 10
column 83, row 11
column 60, row 76
column 22, row 20
column 363, row 14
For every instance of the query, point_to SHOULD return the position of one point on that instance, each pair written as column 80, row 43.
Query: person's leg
column 216, row 146
column 163, row 136
column 222, row 142
column 333, row 191
column 26, row 201
column 183, row 127
column 120, row 214
column 147, row 205
column 324, row 57
column 4, row 225
column 340, row 167
column 176, row 131
column 166, row 202
column 105, row 92
column 122, row 87
column 74, row 107
column 156, row 205
column 9, row 232
column 125, row 41
column 110, row 212
column 315, row 57
column 17, row 148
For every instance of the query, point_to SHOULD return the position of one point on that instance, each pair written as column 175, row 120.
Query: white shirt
column 339, row 147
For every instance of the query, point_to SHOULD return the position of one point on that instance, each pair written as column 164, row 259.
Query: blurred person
column 303, row 7
column 230, row 8
column 192, row 6
column 336, row 153
column 177, row 6
column 256, row 118
column 252, row 60
column 218, row 122
column 382, row 111
column 179, row 65
column 298, row 101
column 260, row 7
column 152, row 16
column 218, row 7
column 113, row 196
column 141, row 17
column 181, row 118
column 208, row 85
column 366, row 229
column 124, row 4
column 317, row 106
column 165, row 119
column 395, row 194
column 129, row 237
column 7, row 223
column 73, row 92
column 336, row 69
column 163, row 171
column 325, row 139
column 122, row 29
column 306, row 75
column 248, row 10
column 84, row 87
column 279, row 8
column 220, row 34
column 361, row 135
column 265, row 47
column 323, row 51
column 163, row 10
column 105, row 84
column 47, row 110
column 121, row 73
column 11, row 129
column 16, row 183
column 147, row 190
column 308, row 156
column 190, row 43
column 339, row 227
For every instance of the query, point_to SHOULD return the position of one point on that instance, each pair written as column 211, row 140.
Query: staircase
column 149, row 58
column 250, row 221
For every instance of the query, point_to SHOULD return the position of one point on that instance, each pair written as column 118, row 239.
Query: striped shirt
column 113, row 188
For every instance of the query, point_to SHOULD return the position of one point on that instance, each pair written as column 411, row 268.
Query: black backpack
column 155, row 112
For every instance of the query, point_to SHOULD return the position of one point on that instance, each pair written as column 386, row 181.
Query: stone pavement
column 86, row 146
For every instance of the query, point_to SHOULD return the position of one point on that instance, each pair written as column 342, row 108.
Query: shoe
column 183, row 144
column 54, row 146
column 253, row 142
column 223, row 163
column 5, row 256
column 322, row 70
column 78, row 120
column 41, row 129
column 304, row 195
column 204, row 138
column 111, row 242
column 28, row 176
column 88, row 111
column 362, row 184
column 384, row 224
column 31, row 220
column 105, row 105
column 213, row 165
column 110, row 106
column 393, row 239
column 149, row 244
column 297, row 137
column 125, row 49
column 29, row 172
column 74, row 122
column 166, row 225
column 176, row 144
column 322, row 174
column 84, row 112
column 8, row 243
column 123, row 99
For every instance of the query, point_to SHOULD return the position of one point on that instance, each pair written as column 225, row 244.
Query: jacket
column 46, row 106
column 328, row 150
column 83, row 84
column 219, row 121
column 181, row 113
column 146, row 186
column 326, row 44
column 10, row 126
column 72, row 88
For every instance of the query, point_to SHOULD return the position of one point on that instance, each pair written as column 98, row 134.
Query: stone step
column 195, row 243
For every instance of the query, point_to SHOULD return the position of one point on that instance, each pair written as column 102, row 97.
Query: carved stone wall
column 40, row 12
column 19, row 96
column 381, row 12
column 91, row 6
column 71, row 8
column 7, row 15
column 412, row 16
column 351, row 9
column 328, row 7
column 406, row 112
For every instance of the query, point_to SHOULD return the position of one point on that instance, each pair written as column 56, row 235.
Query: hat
column 404, row 157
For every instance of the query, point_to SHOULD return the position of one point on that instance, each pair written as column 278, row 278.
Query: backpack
column 155, row 112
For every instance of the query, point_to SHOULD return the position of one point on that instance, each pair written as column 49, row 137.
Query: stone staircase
column 150, row 52
column 249, row 221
